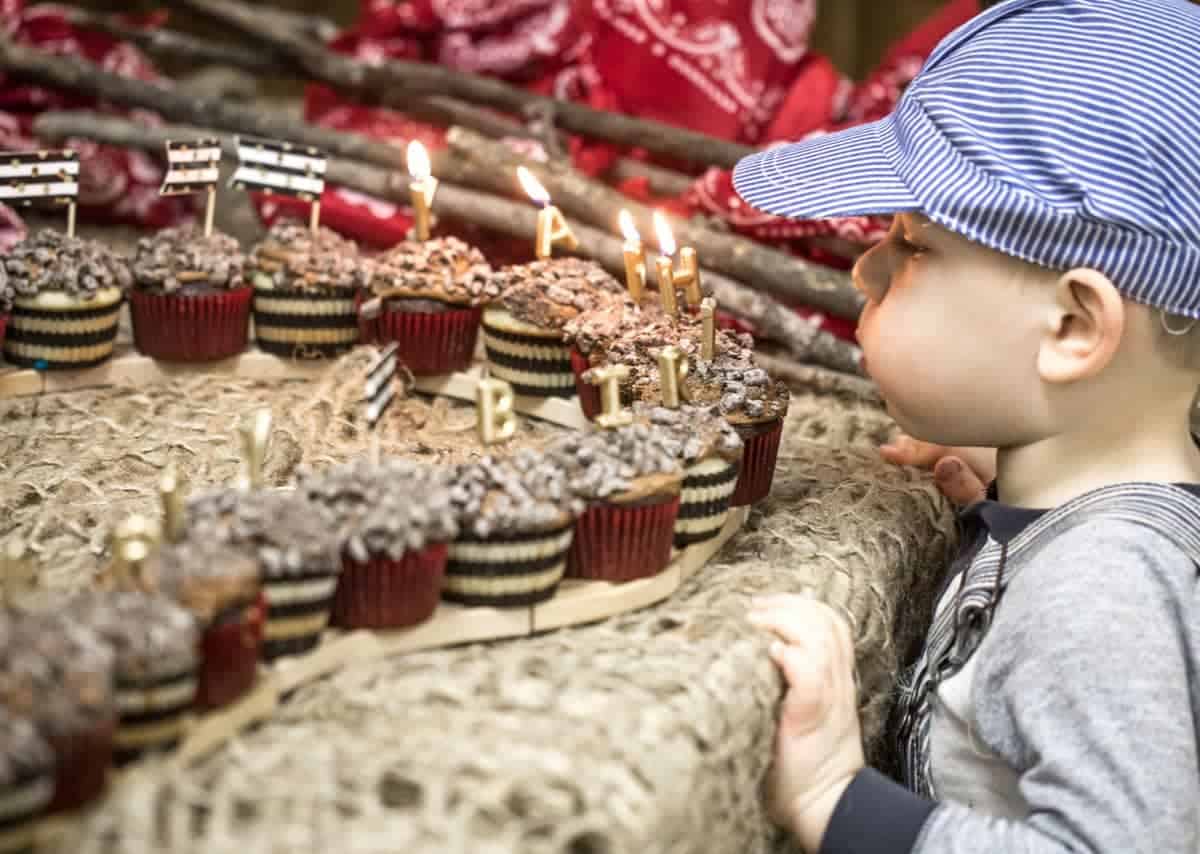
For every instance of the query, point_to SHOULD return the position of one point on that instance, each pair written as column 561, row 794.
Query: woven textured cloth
column 650, row 732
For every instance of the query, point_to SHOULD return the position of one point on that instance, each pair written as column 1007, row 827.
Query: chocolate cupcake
column 394, row 523
column 189, row 303
column 516, row 520
column 68, row 294
column 221, row 588
column 710, row 451
column 295, row 544
column 306, row 291
column 630, row 480
column 432, row 291
column 747, row 398
column 154, row 642
column 524, row 330
column 59, row 674
column 26, row 782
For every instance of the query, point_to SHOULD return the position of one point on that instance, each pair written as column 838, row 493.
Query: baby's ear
column 1084, row 324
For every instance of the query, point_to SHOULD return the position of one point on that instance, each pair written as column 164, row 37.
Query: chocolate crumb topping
column 444, row 268
column 49, row 261
column 553, row 292
column 182, row 260
column 602, row 464
column 742, row 391
column 290, row 257
column 205, row 576
column 384, row 510
column 288, row 535
column 151, row 636
column 58, row 673
column 24, row 755
column 693, row 433
column 522, row 493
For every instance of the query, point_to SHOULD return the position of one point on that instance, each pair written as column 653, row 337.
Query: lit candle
column 672, row 371
column 708, row 317
column 552, row 226
column 422, row 188
column 687, row 276
column 494, row 414
column 635, row 256
column 665, row 265
column 609, row 378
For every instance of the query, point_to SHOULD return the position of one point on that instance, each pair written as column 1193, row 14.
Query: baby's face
column 950, row 334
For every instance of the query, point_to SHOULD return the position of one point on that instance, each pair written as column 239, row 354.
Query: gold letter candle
column 552, row 226
column 635, row 256
column 171, row 492
column 609, row 379
column 708, row 317
column 688, row 274
column 672, row 371
column 422, row 188
column 494, row 411
column 256, row 436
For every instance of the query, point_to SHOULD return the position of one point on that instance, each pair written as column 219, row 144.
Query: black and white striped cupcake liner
column 508, row 570
column 534, row 366
column 302, row 325
column 297, row 613
column 22, row 802
column 61, row 338
column 152, row 715
column 704, row 500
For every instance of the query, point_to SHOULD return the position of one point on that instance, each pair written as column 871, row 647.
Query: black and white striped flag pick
column 192, row 166
column 279, row 167
column 50, row 176
column 381, row 386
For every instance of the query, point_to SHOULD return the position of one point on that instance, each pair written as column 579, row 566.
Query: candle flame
column 532, row 186
column 418, row 161
column 666, row 238
column 625, row 221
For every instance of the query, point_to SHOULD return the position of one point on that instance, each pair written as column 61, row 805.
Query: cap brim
column 848, row 173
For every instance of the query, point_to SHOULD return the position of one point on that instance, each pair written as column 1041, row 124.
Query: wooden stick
column 437, row 108
column 803, row 341
column 395, row 82
column 485, row 163
column 582, row 197
column 819, row 379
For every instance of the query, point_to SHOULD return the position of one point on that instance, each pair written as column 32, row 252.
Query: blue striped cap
column 1062, row 132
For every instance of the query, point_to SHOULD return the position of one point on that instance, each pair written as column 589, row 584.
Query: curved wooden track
column 576, row 602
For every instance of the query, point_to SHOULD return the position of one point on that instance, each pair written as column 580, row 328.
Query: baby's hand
column 818, row 748
column 962, row 474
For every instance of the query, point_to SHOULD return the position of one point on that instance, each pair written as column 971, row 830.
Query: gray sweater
column 1073, row 726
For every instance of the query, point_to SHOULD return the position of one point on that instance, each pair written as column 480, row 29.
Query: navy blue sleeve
column 875, row 816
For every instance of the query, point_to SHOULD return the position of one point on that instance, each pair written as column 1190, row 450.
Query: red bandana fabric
column 117, row 185
column 741, row 71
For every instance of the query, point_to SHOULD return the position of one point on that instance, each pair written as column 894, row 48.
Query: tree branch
column 482, row 162
column 395, row 82
column 802, row 340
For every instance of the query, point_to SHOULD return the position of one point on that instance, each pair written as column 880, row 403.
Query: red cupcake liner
column 589, row 394
column 203, row 328
column 390, row 594
column 430, row 342
column 759, row 453
column 615, row 542
column 229, row 652
column 82, row 761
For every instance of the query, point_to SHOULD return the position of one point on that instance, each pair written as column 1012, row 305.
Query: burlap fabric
column 650, row 732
